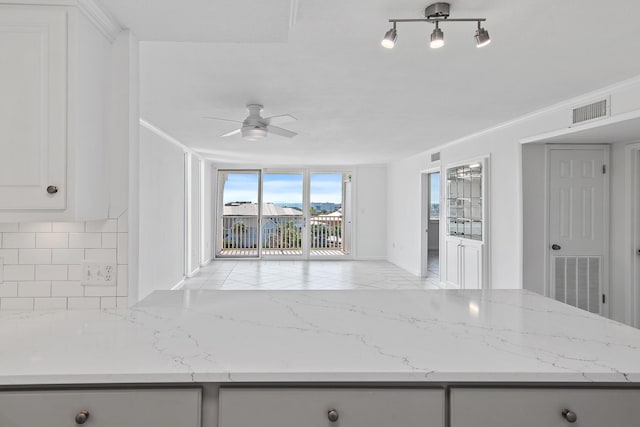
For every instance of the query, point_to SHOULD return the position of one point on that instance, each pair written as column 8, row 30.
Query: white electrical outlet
column 98, row 273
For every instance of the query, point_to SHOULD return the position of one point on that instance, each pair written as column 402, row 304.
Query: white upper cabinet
column 33, row 108
column 54, row 83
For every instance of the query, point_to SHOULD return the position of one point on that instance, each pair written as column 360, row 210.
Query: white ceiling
column 355, row 101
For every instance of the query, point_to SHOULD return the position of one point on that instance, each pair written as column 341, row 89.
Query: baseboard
column 179, row 285
column 194, row 272
column 369, row 258
column 206, row 263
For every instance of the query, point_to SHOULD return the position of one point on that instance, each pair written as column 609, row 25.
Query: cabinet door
column 33, row 107
column 471, row 263
column 452, row 261
column 287, row 407
column 544, row 407
column 104, row 408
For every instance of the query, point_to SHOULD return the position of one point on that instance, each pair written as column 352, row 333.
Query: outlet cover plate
column 96, row 273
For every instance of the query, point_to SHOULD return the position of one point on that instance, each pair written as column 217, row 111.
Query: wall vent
column 593, row 111
column 435, row 157
column 576, row 281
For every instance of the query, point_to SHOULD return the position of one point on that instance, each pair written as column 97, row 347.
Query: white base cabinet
column 320, row 407
column 463, row 262
column 544, row 407
column 54, row 83
column 101, row 408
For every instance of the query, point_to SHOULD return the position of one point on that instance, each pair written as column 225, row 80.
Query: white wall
column 404, row 204
column 370, row 212
column 533, row 190
column 207, row 211
column 194, row 214
column 502, row 143
column 162, row 218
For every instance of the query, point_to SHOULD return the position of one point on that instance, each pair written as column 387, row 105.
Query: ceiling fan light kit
column 256, row 127
column 437, row 13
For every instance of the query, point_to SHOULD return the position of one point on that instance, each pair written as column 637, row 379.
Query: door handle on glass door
column 555, row 247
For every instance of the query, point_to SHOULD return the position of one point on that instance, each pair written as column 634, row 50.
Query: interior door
column 577, row 225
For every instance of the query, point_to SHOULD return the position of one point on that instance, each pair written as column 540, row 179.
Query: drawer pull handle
column 332, row 415
column 82, row 417
column 52, row 189
column 570, row 416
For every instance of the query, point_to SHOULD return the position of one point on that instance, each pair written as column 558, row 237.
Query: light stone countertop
column 320, row 336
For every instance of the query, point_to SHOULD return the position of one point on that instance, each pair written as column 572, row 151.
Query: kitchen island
column 430, row 341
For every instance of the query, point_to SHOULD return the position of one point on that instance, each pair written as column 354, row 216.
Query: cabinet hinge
column 604, row 299
column 604, row 168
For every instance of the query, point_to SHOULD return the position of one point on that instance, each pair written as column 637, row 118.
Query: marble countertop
column 320, row 336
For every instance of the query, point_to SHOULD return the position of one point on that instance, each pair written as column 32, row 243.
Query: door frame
column 606, row 200
column 424, row 217
column 218, row 189
column 632, row 262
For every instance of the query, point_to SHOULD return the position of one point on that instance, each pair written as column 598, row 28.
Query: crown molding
column 102, row 19
column 164, row 135
column 95, row 12
column 567, row 103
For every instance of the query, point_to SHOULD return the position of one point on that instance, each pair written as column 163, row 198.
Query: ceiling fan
column 255, row 127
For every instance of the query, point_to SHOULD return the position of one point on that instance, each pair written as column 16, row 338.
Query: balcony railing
column 282, row 233
column 239, row 232
column 326, row 232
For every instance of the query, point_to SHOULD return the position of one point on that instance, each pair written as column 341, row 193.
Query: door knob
column 52, row 189
column 555, row 247
column 332, row 415
column 82, row 417
column 570, row 416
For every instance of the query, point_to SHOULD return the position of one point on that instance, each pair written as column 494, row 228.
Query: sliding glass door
column 239, row 214
column 283, row 213
column 283, row 219
column 327, row 231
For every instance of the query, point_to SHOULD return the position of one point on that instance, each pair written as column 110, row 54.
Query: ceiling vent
column 593, row 111
column 435, row 157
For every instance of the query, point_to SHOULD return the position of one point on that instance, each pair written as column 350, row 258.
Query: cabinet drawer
column 310, row 407
column 105, row 408
column 544, row 407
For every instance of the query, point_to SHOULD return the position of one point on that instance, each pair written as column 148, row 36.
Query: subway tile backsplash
column 40, row 264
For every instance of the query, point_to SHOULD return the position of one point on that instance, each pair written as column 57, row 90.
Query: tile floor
column 306, row 275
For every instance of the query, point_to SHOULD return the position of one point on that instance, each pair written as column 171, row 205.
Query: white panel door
column 577, row 225
column 33, row 108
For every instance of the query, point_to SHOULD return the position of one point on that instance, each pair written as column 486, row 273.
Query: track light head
column 390, row 37
column 437, row 38
column 482, row 37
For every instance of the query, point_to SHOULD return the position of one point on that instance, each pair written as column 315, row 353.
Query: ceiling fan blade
column 276, row 120
column 282, row 132
column 233, row 132
column 224, row 120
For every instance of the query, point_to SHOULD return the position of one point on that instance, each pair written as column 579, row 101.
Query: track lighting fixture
column 390, row 37
column 437, row 13
column 437, row 38
column 482, row 37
